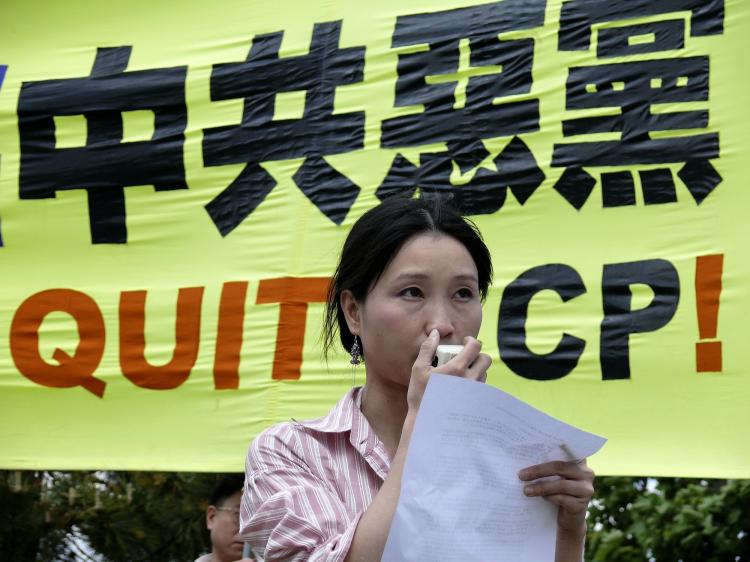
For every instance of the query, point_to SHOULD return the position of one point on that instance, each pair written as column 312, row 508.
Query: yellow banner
column 176, row 182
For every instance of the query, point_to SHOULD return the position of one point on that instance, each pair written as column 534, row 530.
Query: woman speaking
column 412, row 275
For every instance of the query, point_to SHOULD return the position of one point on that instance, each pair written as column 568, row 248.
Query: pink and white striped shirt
column 308, row 483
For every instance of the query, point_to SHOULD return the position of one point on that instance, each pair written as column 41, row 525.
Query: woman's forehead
column 431, row 241
column 422, row 254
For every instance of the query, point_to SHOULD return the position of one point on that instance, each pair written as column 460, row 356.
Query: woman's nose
column 439, row 318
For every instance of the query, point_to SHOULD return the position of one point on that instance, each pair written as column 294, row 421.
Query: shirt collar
column 341, row 416
column 347, row 415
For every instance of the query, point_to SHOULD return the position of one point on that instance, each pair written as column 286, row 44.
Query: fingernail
column 434, row 333
column 523, row 474
column 528, row 490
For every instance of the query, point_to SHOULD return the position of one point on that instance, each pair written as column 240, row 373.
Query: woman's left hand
column 571, row 491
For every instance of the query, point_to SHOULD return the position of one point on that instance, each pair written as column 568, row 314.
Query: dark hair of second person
column 226, row 486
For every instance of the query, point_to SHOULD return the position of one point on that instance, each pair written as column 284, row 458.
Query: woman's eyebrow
column 419, row 276
column 467, row 277
column 411, row 275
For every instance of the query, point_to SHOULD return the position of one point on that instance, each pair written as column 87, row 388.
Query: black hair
column 226, row 485
column 374, row 241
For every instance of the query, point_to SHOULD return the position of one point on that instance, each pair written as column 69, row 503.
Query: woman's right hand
column 469, row 364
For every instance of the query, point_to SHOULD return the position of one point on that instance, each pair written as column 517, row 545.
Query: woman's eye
column 465, row 294
column 411, row 292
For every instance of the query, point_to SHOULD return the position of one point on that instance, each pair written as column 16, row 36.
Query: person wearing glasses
column 223, row 521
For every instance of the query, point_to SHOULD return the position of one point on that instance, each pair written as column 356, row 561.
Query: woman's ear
column 352, row 311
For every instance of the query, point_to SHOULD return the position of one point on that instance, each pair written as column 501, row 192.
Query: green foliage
column 169, row 522
column 22, row 524
column 124, row 516
column 669, row 520
column 141, row 516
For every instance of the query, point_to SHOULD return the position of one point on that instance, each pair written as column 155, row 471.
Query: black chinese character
column 431, row 78
column 106, row 164
column 517, row 170
column 635, row 87
column 622, row 41
column 260, row 138
column 578, row 16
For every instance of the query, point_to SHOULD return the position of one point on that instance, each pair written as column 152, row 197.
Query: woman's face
column 431, row 283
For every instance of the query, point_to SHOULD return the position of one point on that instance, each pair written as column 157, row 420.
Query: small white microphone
column 445, row 353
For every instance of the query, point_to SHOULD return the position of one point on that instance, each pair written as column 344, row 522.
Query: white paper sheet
column 461, row 499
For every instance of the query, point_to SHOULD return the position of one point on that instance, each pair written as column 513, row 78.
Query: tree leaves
column 145, row 516
column 669, row 520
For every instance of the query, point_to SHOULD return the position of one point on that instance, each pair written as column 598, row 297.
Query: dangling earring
column 356, row 353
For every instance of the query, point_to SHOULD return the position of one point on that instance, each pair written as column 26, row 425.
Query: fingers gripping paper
column 461, row 498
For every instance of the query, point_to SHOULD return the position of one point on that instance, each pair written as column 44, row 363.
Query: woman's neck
column 385, row 407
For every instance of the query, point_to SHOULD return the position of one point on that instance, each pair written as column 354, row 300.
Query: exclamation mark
column 708, row 272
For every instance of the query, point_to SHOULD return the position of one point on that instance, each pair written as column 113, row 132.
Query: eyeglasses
column 235, row 510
